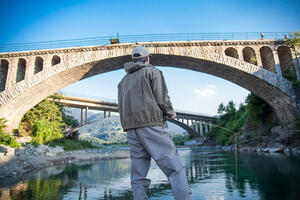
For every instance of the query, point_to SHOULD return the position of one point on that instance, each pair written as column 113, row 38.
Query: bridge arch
column 3, row 74
column 249, row 55
column 38, row 64
column 267, row 58
column 232, row 52
column 55, row 60
column 21, row 70
column 275, row 90
column 285, row 58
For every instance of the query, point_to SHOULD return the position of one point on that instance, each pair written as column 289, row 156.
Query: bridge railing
column 141, row 38
column 195, row 113
column 73, row 94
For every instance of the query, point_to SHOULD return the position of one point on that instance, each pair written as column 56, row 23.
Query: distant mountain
column 109, row 130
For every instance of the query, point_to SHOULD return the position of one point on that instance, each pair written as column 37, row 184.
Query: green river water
column 211, row 175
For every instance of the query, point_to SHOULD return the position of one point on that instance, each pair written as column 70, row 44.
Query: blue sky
column 33, row 20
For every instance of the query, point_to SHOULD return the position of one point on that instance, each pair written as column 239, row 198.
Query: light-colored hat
column 140, row 52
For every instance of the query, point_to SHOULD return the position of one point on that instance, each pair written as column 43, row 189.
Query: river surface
column 211, row 175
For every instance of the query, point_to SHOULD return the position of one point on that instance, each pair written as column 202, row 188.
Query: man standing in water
column 144, row 105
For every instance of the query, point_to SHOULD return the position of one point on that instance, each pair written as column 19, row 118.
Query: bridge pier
column 206, row 128
column 81, row 119
column 210, row 126
column 258, row 57
column 296, row 62
column 86, row 114
column 201, row 129
column 277, row 63
column 194, row 125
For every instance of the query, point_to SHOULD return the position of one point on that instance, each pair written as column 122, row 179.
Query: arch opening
column 55, row 60
column 21, row 70
column 38, row 65
column 249, row 55
column 3, row 74
column 286, row 60
column 232, row 52
column 267, row 58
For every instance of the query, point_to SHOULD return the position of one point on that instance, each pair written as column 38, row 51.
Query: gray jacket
column 143, row 97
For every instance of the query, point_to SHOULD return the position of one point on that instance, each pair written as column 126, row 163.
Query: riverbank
column 275, row 148
column 15, row 162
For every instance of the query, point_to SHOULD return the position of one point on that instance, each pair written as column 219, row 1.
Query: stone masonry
column 24, row 87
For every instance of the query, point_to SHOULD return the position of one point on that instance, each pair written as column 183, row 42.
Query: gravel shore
column 20, row 161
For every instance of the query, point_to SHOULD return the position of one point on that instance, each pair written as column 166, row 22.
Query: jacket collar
column 131, row 67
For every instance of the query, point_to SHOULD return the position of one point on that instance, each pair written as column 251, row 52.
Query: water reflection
column 211, row 175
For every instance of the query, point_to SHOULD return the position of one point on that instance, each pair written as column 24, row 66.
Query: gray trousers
column 154, row 142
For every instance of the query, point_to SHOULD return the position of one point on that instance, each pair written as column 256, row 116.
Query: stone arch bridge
column 28, row 77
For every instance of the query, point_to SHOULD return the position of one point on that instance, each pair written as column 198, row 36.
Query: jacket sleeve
column 160, row 92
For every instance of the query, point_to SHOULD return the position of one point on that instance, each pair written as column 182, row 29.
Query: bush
column 257, row 108
column 45, row 131
column 180, row 139
column 6, row 138
column 70, row 145
column 291, row 76
column 45, row 121
column 297, row 122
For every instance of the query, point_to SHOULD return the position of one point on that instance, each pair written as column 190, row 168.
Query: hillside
column 109, row 130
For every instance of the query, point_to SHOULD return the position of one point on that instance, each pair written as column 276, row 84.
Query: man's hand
column 174, row 116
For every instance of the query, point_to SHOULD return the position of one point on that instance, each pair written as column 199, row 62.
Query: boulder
column 6, row 150
column 218, row 147
column 276, row 148
column 295, row 150
column 42, row 149
column 228, row 148
column 281, row 132
column 24, row 139
column 192, row 142
column 56, row 151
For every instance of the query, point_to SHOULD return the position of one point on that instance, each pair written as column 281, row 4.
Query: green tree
column 221, row 109
column 257, row 108
column 232, row 120
column 44, row 122
column 293, row 42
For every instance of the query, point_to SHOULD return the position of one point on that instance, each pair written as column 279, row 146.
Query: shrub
column 45, row 131
column 70, row 145
column 297, row 122
column 6, row 138
column 257, row 108
column 180, row 139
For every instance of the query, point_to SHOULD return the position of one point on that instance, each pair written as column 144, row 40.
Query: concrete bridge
column 28, row 77
column 194, row 123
